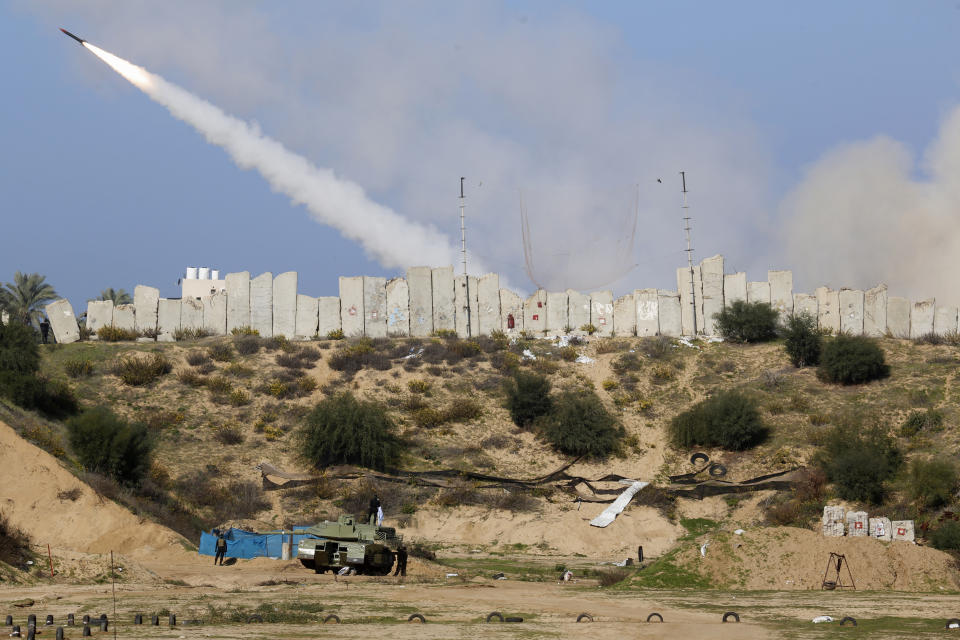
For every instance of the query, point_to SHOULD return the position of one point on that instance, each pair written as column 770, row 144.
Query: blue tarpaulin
column 248, row 544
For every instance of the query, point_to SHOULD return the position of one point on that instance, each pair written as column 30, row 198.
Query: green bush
column 932, row 482
column 345, row 430
column 747, row 322
column 946, row 537
column 20, row 381
column 859, row 463
column 137, row 371
column 111, row 333
column 917, row 421
column 729, row 420
column 221, row 352
column 803, row 342
column 105, row 443
column 528, row 397
column 579, row 425
column 246, row 344
column 18, row 349
column 850, row 359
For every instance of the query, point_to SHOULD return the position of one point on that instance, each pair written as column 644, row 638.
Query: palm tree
column 23, row 298
column 119, row 296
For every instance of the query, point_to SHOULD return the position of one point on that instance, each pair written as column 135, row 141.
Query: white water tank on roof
column 215, row 274
column 191, row 273
column 204, row 273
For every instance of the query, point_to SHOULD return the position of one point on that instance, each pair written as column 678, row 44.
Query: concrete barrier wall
column 351, row 306
column 420, row 284
column 285, row 304
column 124, row 317
column 711, row 271
column 851, row 311
column 488, row 297
column 328, row 312
column 875, row 311
column 601, row 312
column 535, row 313
column 898, row 317
column 145, row 301
column 374, row 307
column 99, row 314
column 215, row 313
column 461, row 293
column 828, row 309
column 398, row 307
column 238, row 300
column 625, row 316
column 557, row 313
column 431, row 299
column 191, row 314
column 261, row 304
column 511, row 312
column 945, row 320
column 734, row 287
column 308, row 315
column 63, row 322
column 578, row 310
column 648, row 312
column 168, row 319
column 921, row 318
column 444, row 316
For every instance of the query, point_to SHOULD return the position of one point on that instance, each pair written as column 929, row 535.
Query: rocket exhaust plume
column 385, row 235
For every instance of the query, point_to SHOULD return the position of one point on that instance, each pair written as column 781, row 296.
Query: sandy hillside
column 790, row 558
column 30, row 481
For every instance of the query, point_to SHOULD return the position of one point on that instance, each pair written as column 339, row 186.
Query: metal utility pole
column 463, row 251
column 686, row 228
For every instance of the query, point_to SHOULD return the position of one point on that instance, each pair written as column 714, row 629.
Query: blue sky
column 570, row 104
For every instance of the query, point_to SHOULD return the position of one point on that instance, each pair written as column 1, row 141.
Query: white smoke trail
column 387, row 237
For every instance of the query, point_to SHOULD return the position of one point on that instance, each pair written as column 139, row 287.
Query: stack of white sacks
column 838, row 522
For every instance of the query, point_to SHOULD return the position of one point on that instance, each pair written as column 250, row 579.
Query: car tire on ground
column 651, row 616
column 584, row 616
column 731, row 614
column 494, row 614
column 416, row 617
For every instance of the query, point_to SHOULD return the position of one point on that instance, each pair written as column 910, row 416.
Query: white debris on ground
column 739, row 532
column 703, row 549
column 820, row 619
column 528, row 355
column 610, row 513
column 582, row 359
column 413, row 354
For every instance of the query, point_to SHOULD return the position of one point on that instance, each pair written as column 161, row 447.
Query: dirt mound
column 54, row 507
column 791, row 558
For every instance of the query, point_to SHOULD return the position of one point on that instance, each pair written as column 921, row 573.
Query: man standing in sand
column 221, row 549
column 372, row 511
column 401, row 561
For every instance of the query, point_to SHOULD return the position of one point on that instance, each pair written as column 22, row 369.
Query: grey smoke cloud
column 403, row 98
column 870, row 212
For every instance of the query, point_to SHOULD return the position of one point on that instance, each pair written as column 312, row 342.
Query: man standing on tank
column 401, row 561
column 372, row 511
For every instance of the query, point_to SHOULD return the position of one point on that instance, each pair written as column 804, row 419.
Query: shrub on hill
column 858, row 463
column 107, row 444
column 917, row 421
column 579, row 425
column 747, row 322
column 946, row 537
column 933, row 482
column 344, row 430
column 729, row 420
column 137, row 370
column 850, row 359
column 528, row 397
column 803, row 342
column 14, row 543
column 20, row 381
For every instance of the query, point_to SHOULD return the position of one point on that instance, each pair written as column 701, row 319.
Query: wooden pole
column 50, row 558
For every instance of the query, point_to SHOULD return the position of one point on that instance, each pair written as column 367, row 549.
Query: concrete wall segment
column 285, row 304
column 488, row 300
column 145, row 301
column 398, row 307
column 420, row 286
column 351, row 306
column 261, row 304
column 63, row 321
column 374, row 307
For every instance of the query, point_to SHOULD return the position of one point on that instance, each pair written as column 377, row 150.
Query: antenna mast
column 463, row 251
column 686, row 228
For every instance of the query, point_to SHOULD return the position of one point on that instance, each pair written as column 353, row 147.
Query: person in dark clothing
column 401, row 561
column 221, row 549
column 374, row 506
column 44, row 330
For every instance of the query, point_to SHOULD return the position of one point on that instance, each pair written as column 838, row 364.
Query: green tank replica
column 366, row 548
